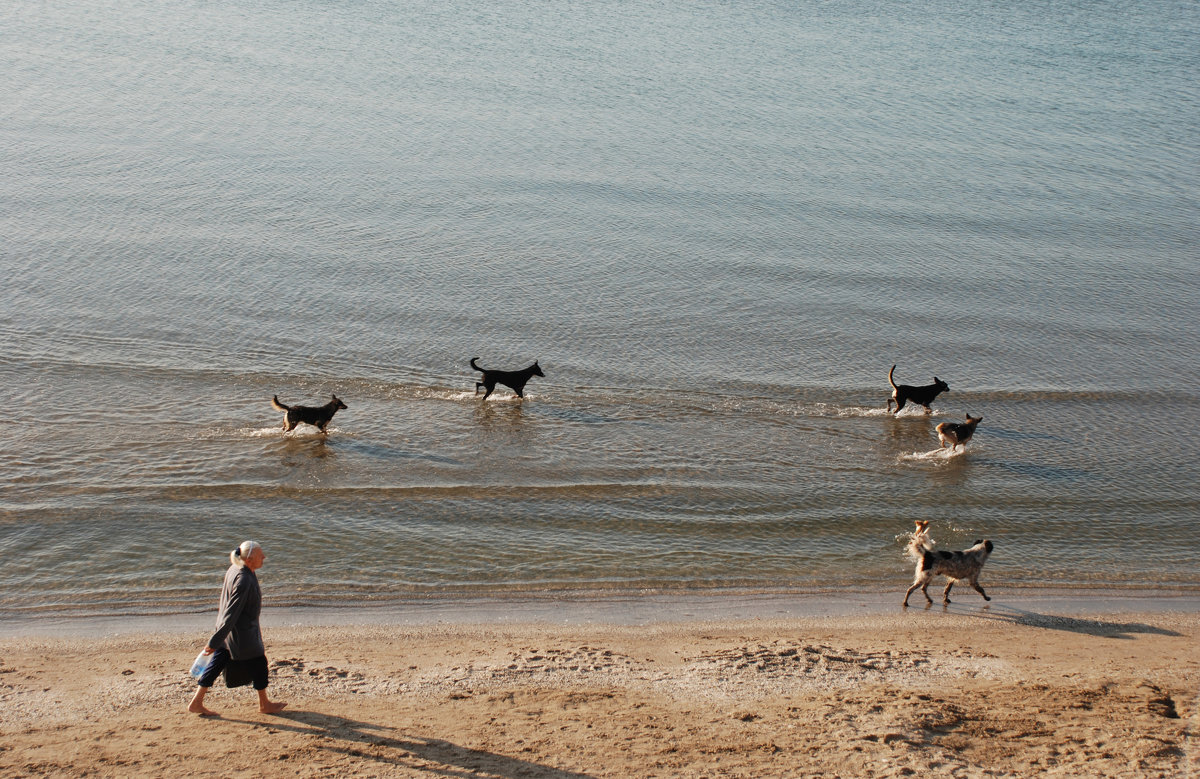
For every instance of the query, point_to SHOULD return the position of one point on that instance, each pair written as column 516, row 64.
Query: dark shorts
column 237, row 672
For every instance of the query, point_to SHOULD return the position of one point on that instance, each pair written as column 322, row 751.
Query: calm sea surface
column 716, row 224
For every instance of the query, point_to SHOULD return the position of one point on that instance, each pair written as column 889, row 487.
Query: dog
column 317, row 416
column 957, row 433
column 955, row 566
column 922, row 396
column 514, row 379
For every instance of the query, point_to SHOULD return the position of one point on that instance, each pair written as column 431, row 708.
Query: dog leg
column 946, row 592
column 921, row 579
column 899, row 404
column 489, row 388
column 979, row 589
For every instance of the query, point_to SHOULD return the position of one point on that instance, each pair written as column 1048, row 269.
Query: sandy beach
column 965, row 692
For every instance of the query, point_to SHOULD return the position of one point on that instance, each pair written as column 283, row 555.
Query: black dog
column 317, row 416
column 922, row 396
column 514, row 379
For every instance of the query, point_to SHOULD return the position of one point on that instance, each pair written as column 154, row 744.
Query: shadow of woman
column 382, row 744
column 1091, row 627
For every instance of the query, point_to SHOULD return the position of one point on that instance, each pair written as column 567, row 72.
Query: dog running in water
column 955, row 566
column 317, row 416
column 956, row 434
column 922, row 396
column 514, row 379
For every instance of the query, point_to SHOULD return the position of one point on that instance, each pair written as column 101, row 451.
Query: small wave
column 941, row 453
column 852, row 411
column 260, row 432
column 436, row 393
column 277, row 432
column 459, row 395
column 222, row 433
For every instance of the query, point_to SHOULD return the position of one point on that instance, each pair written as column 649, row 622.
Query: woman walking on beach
column 238, row 644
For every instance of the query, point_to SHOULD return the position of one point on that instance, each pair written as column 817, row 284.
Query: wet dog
column 922, row 396
column 955, row 566
column 317, row 416
column 957, row 434
column 514, row 379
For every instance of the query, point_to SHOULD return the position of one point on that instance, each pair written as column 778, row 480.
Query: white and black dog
column 955, row 566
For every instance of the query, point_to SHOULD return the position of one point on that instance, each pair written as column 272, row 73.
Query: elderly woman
column 238, row 640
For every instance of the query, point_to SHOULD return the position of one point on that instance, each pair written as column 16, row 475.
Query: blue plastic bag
column 200, row 664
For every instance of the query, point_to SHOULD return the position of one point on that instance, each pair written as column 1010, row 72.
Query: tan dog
column 954, row 434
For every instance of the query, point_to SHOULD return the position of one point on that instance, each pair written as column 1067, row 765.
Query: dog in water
column 317, row 416
column 922, row 396
column 955, row 566
column 514, row 379
column 956, row 434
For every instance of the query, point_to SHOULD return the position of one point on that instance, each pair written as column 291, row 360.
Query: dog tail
column 476, row 367
column 892, row 371
column 275, row 404
column 919, row 546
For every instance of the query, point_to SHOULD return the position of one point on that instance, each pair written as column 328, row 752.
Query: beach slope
column 977, row 693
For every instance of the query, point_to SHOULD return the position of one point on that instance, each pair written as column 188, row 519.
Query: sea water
column 716, row 225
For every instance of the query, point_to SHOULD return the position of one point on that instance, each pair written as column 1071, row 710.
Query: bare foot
column 272, row 707
column 199, row 708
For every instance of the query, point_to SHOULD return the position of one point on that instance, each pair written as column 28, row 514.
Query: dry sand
column 963, row 692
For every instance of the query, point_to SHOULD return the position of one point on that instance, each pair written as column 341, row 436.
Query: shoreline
column 622, row 607
column 855, row 688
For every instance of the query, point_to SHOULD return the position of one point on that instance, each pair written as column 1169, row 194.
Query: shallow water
column 716, row 226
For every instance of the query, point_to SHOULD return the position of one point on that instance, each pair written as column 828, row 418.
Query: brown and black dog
column 515, row 379
column 317, row 416
column 922, row 396
column 957, row 434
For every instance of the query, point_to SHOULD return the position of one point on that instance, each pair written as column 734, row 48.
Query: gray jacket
column 237, row 620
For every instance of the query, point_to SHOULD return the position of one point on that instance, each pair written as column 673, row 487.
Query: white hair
column 238, row 556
